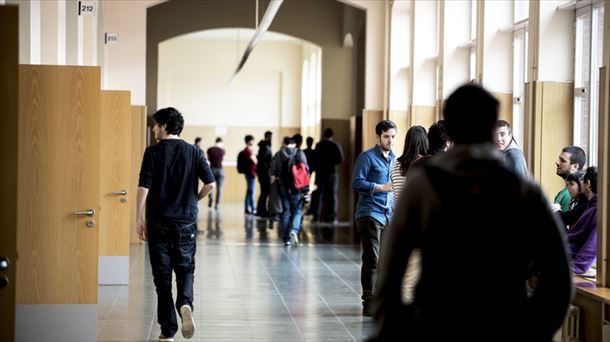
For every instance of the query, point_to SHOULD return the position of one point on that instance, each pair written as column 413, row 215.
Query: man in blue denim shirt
column 371, row 180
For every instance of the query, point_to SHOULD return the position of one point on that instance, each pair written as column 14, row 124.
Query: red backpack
column 295, row 175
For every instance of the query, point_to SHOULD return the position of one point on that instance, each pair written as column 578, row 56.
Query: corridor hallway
column 249, row 287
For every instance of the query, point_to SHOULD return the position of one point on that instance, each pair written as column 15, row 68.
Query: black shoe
column 366, row 311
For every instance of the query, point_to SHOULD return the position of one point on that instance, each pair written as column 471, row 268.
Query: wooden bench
column 594, row 304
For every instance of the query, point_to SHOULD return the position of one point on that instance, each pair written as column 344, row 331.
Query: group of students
column 279, row 198
column 456, row 241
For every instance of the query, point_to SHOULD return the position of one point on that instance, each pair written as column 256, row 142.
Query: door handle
column 121, row 192
column 89, row 212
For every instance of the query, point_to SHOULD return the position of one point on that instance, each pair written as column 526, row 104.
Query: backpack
column 243, row 162
column 295, row 175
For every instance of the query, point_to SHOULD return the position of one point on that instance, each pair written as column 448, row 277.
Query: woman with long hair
column 416, row 146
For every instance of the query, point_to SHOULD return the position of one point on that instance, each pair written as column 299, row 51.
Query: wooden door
column 9, row 81
column 138, row 145
column 58, row 202
column 115, row 170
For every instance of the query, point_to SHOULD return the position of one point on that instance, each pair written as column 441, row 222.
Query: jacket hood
column 468, row 160
column 511, row 146
column 263, row 143
column 287, row 152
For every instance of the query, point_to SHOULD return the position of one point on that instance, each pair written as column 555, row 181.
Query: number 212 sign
column 86, row 8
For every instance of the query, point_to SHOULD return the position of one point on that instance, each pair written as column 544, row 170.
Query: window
column 519, row 29
column 472, row 75
column 587, row 61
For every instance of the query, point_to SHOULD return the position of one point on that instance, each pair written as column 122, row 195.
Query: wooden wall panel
column 138, row 145
column 115, row 173
column 9, row 85
column 400, row 118
column 59, row 156
column 506, row 106
column 603, row 180
column 555, row 133
column 423, row 115
column 370, row 118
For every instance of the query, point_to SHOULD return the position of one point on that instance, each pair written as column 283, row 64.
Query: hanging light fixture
column 270, row 13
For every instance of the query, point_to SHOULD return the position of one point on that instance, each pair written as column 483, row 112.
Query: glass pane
column 582, row 69
column 521, row 10
column 597, row 44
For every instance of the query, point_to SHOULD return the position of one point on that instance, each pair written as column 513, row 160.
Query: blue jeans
column 292, row 205
column 172, row 246
column 249, row 202
column 219, row 176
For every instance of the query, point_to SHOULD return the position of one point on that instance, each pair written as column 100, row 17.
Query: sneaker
column 294, row 239
column 287, row 243
column 163, row 338
column 188, row 325
column 366, row 312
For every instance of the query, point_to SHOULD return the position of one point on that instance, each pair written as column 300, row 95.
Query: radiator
column 570, row 331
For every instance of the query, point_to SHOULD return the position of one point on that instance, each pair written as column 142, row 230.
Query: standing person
column 169, row 180
column 371, row 180
column 508, row 146
column 582, row 236
column 329, row 154
column 571, row 159
column 292, row 199
column 216, row 154
column 455, row 213
column 263, row 167
column 416, row 147
column 314, row 205
column 249, row 172
column 198, row 142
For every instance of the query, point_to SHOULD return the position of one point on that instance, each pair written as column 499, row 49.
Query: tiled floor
column 249, row 287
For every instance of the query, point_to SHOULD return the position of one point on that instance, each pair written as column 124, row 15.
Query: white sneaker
column 294, row 238
column 188, row 325
column 163, row 338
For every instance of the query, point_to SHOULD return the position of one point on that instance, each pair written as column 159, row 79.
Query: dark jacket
column 483, row 232
column 263, row 157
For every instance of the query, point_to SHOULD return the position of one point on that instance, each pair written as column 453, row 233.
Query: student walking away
column 216, row 154
column 505, row 142
column 329, row 154
column 371, row 181
column 290, row 167
column 263, row 157
column 246, row 164
column 168, row 185
column 455, row 212
column 571, row 159
column 198, row 143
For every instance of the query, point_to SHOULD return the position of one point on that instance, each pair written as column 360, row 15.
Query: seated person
column 578, row 200
column 582, row 236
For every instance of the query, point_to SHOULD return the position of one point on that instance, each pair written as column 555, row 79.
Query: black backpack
column 243, row 162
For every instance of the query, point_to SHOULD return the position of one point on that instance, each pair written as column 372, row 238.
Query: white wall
column 498, row 56
column 375, row 51
column 194, row 77
column 556, row 43
column 124, row 65
column 456, row 32
column 399, row 57
column 425, row 48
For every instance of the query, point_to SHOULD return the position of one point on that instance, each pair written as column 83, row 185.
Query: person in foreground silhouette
column 486, row 275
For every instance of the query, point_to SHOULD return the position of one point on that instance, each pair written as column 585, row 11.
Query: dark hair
column 504, row 123
column 470, row 115
column 268, row 134
column 298, row 139
column 416, row 142
column 577, row 155
column 197, row 140
column 309, row 141
column 575, row 177
column 248, row 138
column 328, row 133
column 288, row 140
column 219, row 139
column 384, row 126
column 591, row 176
column 437, row 137
column 170, row 117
